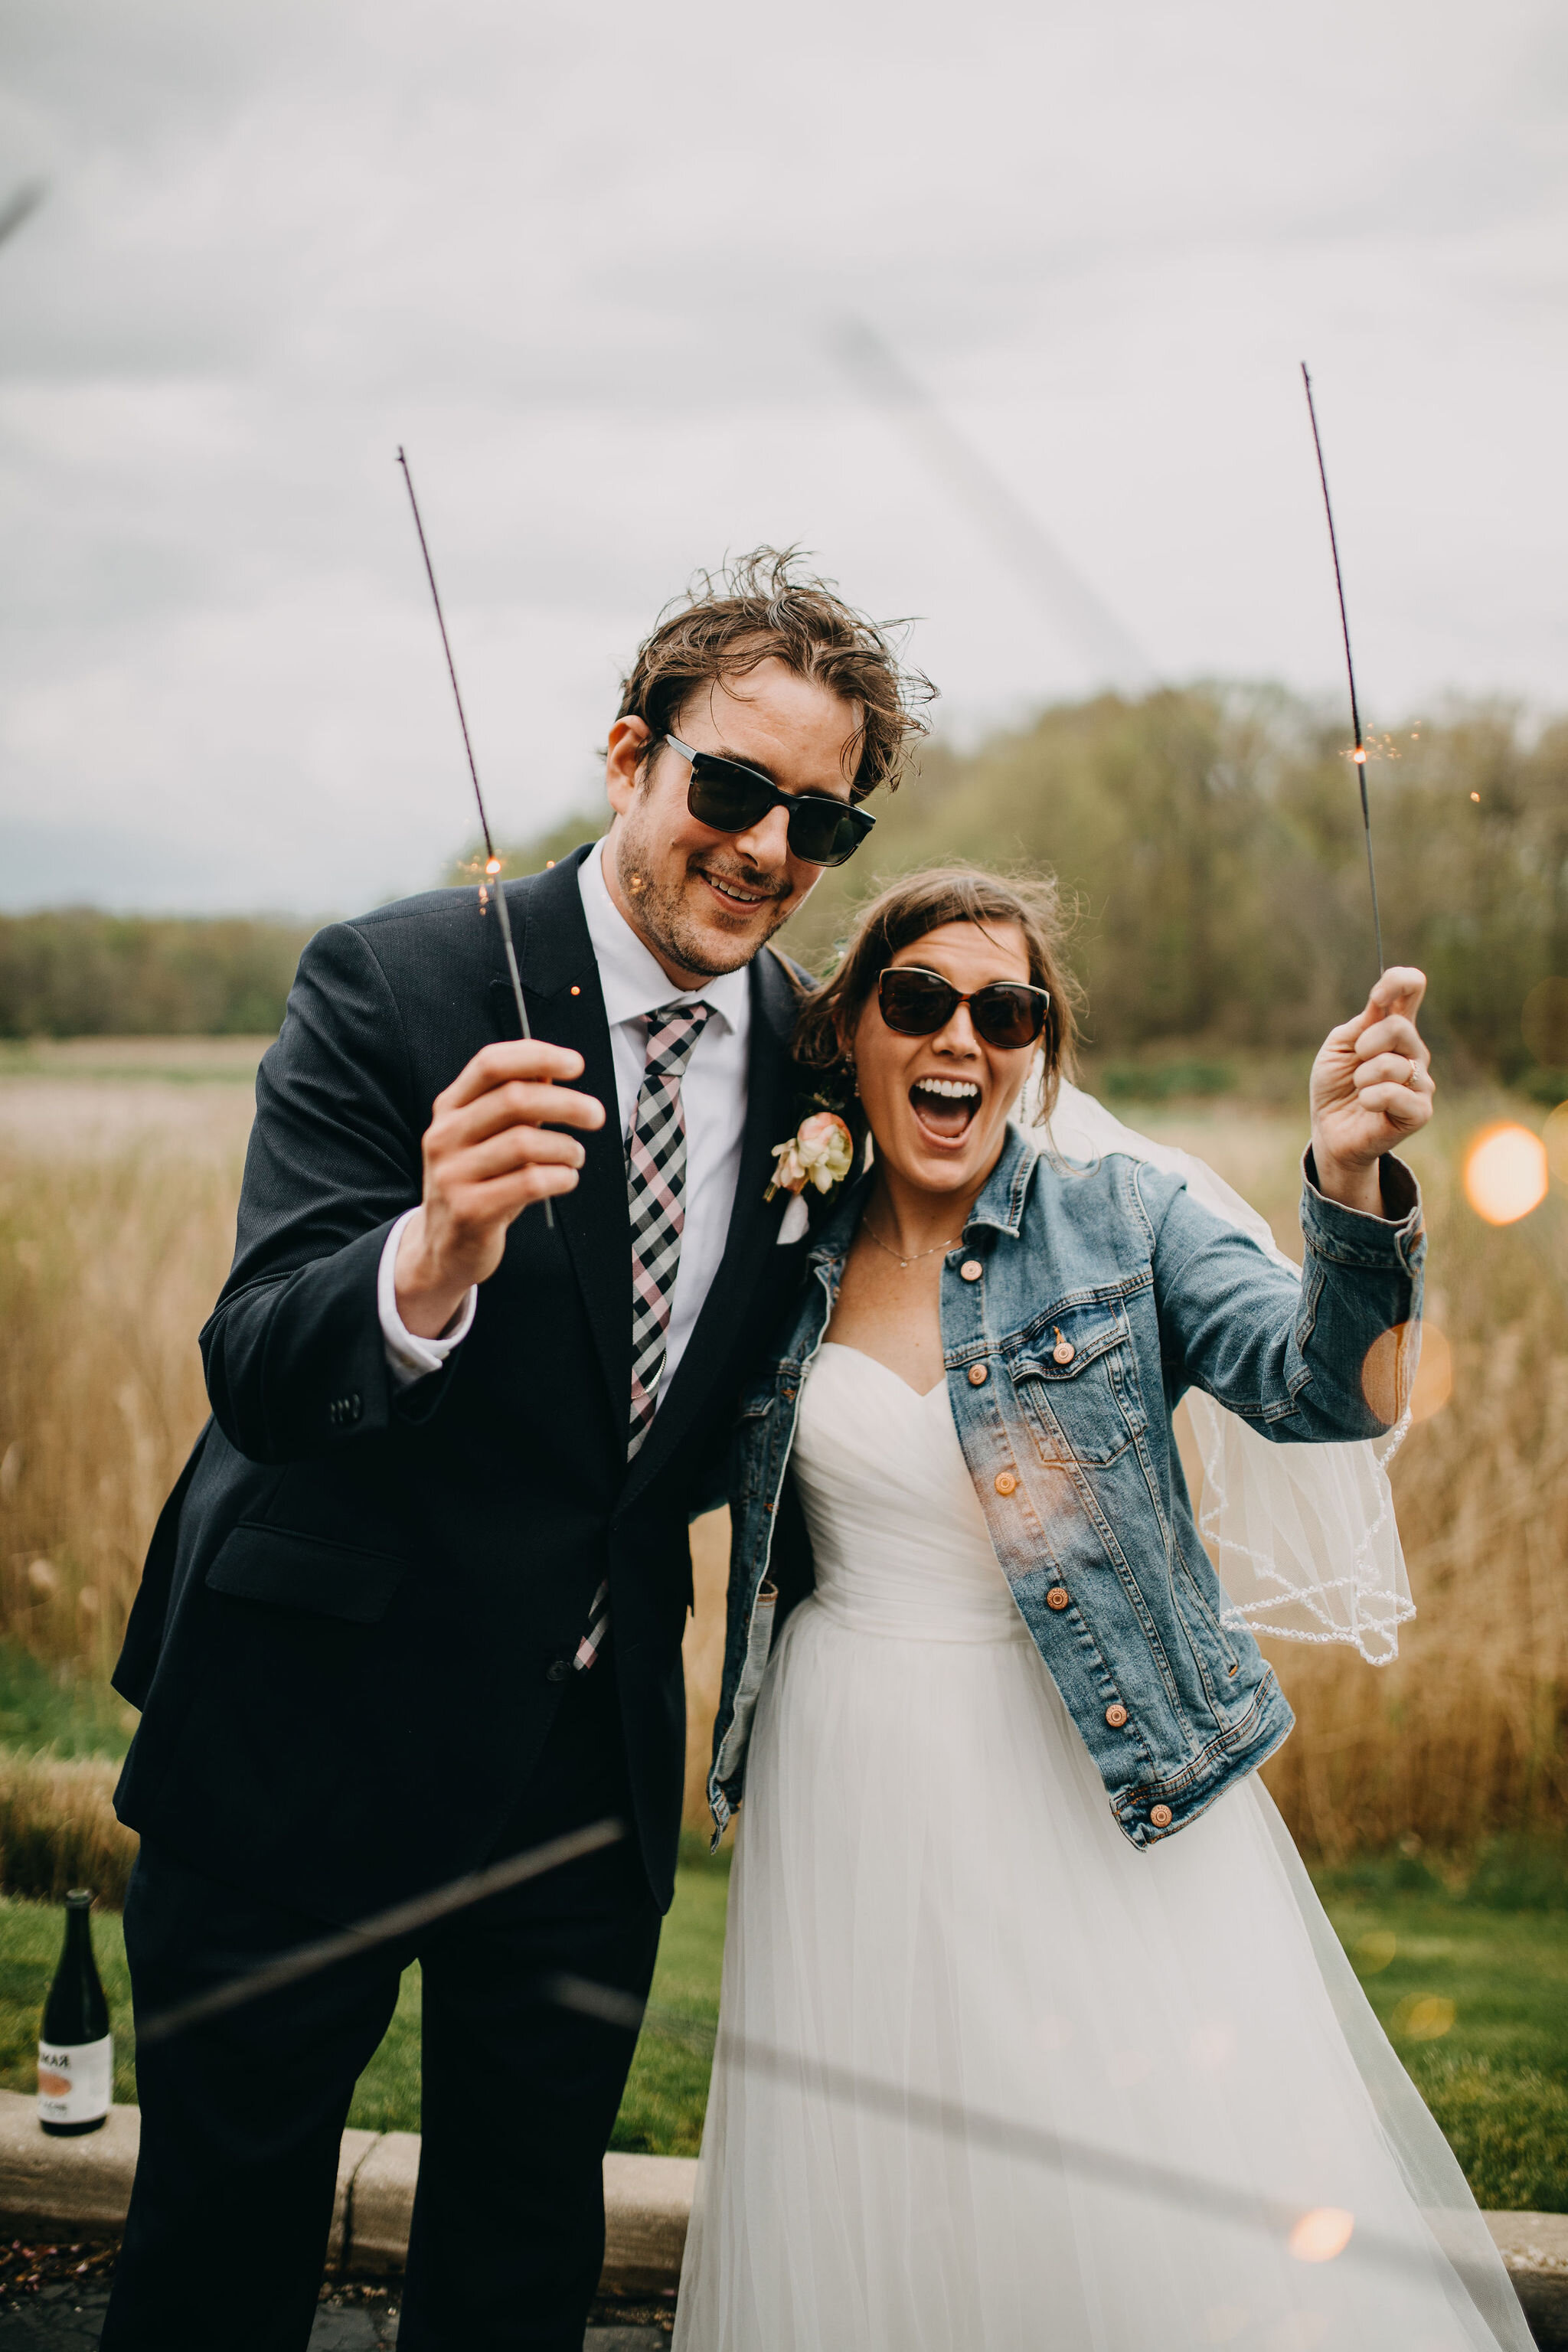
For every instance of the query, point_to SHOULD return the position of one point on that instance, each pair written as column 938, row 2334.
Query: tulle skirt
column 1091, row 2088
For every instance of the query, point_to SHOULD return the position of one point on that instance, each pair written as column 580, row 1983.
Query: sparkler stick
column 1005, row 2136
column 1014, row 530
column 1360, row 753
column 492, row 863
column 19, row 206
column 348, row 1943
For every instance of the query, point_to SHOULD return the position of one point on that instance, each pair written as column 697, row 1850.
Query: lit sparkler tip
column 1359, row 756
column 492, row 865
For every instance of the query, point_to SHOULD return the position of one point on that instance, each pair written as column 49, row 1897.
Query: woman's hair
column 904, row 913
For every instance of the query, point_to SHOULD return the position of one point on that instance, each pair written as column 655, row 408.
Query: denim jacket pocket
column 750, row 1452
column 1073, row 1374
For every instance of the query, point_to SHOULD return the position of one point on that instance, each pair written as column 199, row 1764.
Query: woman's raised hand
column 1371, row 1089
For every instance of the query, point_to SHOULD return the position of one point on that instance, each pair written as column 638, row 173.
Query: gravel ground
column 58, row 2294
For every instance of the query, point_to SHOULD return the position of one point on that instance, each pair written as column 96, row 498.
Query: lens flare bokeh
column 1554, row 1136
column 1322, row 2234
column 1390, row 1385
column 1506, row 1173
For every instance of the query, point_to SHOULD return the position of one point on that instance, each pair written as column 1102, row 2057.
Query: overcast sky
column 585, row 261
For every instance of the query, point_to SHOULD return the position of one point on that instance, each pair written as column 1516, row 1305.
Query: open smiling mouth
column 944, row 1107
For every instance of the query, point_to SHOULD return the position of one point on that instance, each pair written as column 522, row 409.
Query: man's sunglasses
column 729, row 798
column 1008, row 1014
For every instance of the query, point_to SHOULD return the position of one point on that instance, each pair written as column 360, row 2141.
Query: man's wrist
column 428, row 1299
column 410, row 1356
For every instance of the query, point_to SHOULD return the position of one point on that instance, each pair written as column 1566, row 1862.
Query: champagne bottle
column 76, row 2051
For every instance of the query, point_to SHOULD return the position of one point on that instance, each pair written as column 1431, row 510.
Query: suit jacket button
column 1116, row 1715
column 978, row 1376
column 1058, row 1597
column 1160, row 1815
column 557, row 1670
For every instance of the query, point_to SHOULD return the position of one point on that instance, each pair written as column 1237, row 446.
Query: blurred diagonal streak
column 1004, row 2135
column 19, row 206
column 402, row 1919
column 1114, row 656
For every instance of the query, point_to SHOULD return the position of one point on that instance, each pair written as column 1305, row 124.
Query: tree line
column 1209, row 844
column 75, row 971
column 1207, row 841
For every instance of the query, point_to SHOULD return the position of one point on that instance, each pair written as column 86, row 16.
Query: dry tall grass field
column 120, row 1162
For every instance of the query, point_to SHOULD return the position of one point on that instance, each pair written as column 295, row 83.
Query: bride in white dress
column 990, row 2078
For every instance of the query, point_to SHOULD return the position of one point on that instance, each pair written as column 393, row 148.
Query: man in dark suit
column 416, row 1602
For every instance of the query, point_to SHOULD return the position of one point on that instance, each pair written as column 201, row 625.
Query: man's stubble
column 660, row 912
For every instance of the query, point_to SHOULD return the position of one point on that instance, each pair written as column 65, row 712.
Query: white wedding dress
column 929, row 1894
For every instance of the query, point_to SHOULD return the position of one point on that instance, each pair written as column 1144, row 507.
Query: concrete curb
column 82, row 2187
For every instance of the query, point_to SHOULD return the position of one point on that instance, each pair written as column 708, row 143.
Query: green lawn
column 661, row 2114
column 1473, row 1992
column 1474, row 1998
column 59, row 1710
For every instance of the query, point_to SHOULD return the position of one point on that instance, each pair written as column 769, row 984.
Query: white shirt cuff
column 409, row 1359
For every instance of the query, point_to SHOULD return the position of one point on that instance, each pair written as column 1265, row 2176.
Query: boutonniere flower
column 820, row 1152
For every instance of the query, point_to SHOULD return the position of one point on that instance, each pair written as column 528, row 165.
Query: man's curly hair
column 763, row 607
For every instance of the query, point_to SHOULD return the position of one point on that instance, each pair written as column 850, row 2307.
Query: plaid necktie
column 656, row 1195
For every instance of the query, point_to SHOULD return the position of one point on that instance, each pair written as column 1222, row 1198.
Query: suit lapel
column 566, row 1007
column 771, row 1080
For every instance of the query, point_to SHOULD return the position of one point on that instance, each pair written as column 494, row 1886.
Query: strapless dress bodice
column 900, row 1541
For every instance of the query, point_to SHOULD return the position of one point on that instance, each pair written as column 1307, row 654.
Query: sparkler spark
column 1360, row 753
column 492, row 863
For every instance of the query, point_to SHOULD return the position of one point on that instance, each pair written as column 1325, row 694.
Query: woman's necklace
column 867, row 1226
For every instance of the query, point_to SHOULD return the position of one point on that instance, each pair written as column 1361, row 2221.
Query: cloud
column 583, row 262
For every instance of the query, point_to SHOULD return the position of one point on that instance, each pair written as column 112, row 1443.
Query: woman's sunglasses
column 729, row 798
column 1008, row 1014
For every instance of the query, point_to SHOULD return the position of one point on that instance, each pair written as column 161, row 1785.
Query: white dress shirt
column 713, row 1095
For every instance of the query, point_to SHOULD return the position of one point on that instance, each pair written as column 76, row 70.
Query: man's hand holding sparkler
column 1371, row 1089
column 489, row 1155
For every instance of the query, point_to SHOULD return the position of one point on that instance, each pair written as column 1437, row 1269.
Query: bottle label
column 76, row 2080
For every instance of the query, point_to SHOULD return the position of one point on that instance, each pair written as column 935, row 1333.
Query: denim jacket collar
column 1001, row 1203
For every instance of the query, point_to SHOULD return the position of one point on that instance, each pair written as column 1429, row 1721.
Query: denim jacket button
column 972, row 1269
column 1160, row 1816
column 1116, row 1715
column 1058, row 1597
column 978, row 1376
column 1063, row 1352
column 1005, row 1482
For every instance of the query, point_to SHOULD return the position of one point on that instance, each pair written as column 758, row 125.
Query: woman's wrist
column 1354, row 1184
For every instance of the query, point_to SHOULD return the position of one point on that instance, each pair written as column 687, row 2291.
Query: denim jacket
column 1080, row 1305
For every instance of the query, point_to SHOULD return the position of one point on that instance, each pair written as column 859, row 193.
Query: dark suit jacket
column 360, row 1604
